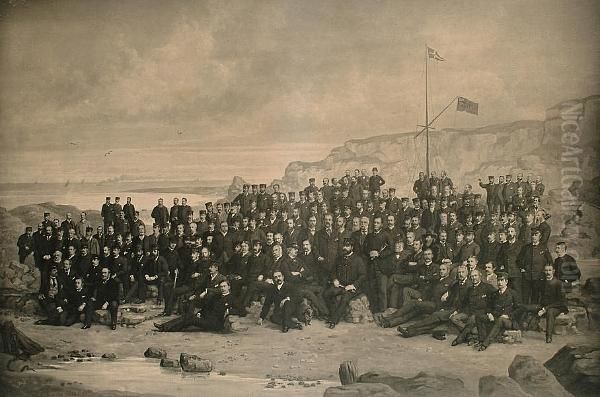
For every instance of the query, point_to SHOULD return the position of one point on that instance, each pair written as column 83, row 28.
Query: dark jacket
column 553, row 295
column 274, row 296
column 350, row 270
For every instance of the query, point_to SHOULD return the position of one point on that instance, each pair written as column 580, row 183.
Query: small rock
column 110, row 356
column 193, row 363
column 169, row 363
column 222, row 373
column 155, row 352
column 79, row 360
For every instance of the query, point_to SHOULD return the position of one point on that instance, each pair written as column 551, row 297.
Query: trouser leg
column 382, row 291
column 551, row 315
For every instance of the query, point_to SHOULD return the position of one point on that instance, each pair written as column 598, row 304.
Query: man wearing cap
column 539, row 186
column 160, row 214
column 489, row 189
column 327, row 190
column 47, row 221
column 532, row 259
column 174, row 214
column 469, row 248
column 25, row 244
column 107, row 213
column 244, row 199
column 185, row 210
column 421, row 186
column 348, row 277
column 263, row 200
column 129, row 210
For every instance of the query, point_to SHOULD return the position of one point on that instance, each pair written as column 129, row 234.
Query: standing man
column 25, row 244
column 129, row 210
column 160, row 214
column 532, row 260
column 375, row 181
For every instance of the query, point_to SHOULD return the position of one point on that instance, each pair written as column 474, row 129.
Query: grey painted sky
column 127, row 74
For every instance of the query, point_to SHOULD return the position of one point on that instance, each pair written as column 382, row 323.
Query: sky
column 81, row 78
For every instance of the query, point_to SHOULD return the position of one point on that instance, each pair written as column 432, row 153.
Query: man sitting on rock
column 285, row 300
column 52, row 298
column 210, row 319
column 77, row 300
column 105, row 297
column 553, row 301
column 503, row 303
column 348, row 278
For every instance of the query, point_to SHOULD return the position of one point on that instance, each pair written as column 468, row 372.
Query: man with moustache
column 348, row 278
column 105, row 297
column 284, row 299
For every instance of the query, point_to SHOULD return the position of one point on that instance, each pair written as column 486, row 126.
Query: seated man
column 476, row 303
column 203, row 290
column 298, row 275
column 348, row 279
column 565, row 267
column 77, row 301
column 156, row 272
column 553, row 301
column 423, row 304
column 52, row 298
column 504, row 302
column 105, row 297
column 212, row 316
column 285, row 300
column 455, row 298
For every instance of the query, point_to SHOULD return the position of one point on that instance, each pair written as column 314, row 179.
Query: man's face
column 415, row 221
column 160, row 202
column 347, row 249
column 443, row 236
column 111, row 229
column 428, row 255
column 476, row 277
column 278, row 278
column 224, row 227
column 180, row 229
column 364, row 224
column 106, row 251
column 224, row 288
column 67, row 265
column 444, row 270
column 290, row 223
column 270, row 238
column 472, row 263
column 328, row 221
column 116, row 252
column 470, row 237
column 245, row 248
column 410, row 239
column 489, row 268
column 175, row 201
column 71, row 250
column 105, row 274
column 391, row 221
column 417, row 245
column 340, row 223
column 78, row 284
column 549, row 272
column 84, row 251
column 49, row 231
column 277, row 252
column 292, row 252
column 205, row 253
column 560, row 250
column 278, row 237
column 377, row 224
column 535, row 238
column 502, row 283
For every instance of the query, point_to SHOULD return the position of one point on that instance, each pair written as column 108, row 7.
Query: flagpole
column 427, row 110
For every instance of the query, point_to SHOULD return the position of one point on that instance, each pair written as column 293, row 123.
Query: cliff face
column 466, row 154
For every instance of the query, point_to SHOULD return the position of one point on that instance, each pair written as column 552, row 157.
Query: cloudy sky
column 95, row 76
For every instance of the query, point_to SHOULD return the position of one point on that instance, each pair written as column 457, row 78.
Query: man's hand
column 295, row 273
column 80, row 308
column 350, row 288
column 105, row 306
column 131, row 278
column 147, row 277
column 320, row 259
column 504, row 316
column 412, row 263
column 490, row 316
column 41, row 297
column 336, row 283
column 195, row 275
column 191, row 298
column 199, row 315
column 542, row 312
column 445, row 297
column 46, row 257
column 259, row 321
column 203, row 294
column 260, row 277
column 59, row 309
column 454, row 313
column 373, row 254
column 269, row 281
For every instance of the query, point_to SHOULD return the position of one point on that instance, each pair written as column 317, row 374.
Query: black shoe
column 298, row 326
column 548, row 338
column 113, row 327
column 158, row 326
column 403, row 331
column 331, row 325
column 482, row 348
column 456, row 342
column 285, row 329
column 86, row 326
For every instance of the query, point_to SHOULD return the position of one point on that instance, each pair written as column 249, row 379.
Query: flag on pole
column 433, row 54
column 464, row 105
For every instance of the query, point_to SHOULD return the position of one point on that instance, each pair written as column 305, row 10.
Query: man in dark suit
column 503, row 303
column 160, row 213
column 348, row 278
column 211, row 317
column 25, row 244
column 532, row 259
column 107, row 213
column 52, row 298
column 553, row 301
column 105, row 297
column 77, row 300
column 285, row 300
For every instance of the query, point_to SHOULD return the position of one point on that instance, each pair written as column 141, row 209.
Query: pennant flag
column 434, row 54
column 464, row 105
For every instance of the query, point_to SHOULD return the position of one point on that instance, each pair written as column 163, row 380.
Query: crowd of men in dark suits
column 443, row 257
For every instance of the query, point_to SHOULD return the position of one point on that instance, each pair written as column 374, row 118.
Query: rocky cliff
column 466, row 154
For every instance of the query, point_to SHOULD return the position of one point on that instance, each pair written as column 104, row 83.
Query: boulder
column 361, row 390
column 193, row 363
column 500, row 386
column 129, row 318
column 577, row 368
column 169, row 363
column 155, row 352
column 534, row 378
column 102, row 317
column 423, row 384
column 512, row 336
column 359, row 311
column 109, row 356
